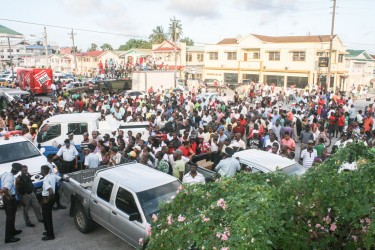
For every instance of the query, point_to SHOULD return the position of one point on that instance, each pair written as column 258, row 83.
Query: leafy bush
column 323, row 209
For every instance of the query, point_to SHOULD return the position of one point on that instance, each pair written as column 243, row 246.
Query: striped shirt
column 308, row 157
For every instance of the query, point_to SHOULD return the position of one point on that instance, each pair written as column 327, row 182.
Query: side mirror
column 135, row 216
column 42, row 150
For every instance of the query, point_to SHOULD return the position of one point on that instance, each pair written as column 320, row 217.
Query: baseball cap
column 137, row 148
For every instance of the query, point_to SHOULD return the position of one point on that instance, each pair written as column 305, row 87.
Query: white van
column 16, row 148
column 55, row 129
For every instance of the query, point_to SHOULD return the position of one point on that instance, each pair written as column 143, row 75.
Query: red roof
column 172, row 48
column 95, row 53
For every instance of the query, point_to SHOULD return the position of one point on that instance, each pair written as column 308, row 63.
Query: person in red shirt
column 341, row 123
column 289, row 142
column 368, row 122
column 186, row 149
column 332, row 121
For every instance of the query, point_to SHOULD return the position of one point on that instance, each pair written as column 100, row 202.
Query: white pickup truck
column 122, row 199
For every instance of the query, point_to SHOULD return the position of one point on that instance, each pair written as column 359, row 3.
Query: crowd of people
column 183, row 127
column 183, row 122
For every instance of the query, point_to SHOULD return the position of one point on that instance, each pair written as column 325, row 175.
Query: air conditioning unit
column 264, row 67
column 286, row 68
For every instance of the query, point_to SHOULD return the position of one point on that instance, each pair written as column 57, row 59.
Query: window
column 200, row 57
column 104, row 189
column 299, row 56
column 49, row 132
column 77, row 128
column 125, row 202
column 252, row 77
column 11, row 152
column 341, row 58
column 231, row 78
column 277, row 80
column 213, row 55
column 231, row 55
column 256, row 55
column 298, row 82
column 320, row 53
column 274, row 56
column 189, row 57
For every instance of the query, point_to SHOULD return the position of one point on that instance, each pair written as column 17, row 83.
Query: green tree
column 188, row 41
column 323, row 209
column 158, row 35
column 175, row 30
column 106, row 46
column 93, row 47
column 135, row 44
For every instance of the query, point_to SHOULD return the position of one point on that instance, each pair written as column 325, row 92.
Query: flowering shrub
column 323, row 209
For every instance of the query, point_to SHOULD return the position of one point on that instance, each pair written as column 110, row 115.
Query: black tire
column 83, row 223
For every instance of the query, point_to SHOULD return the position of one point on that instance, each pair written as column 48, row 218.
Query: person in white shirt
column 48, row 199
column 69, row 154
column 115, row 157
column 237, row 142
column 193, row 176
column 308, row 155
column 92, row 160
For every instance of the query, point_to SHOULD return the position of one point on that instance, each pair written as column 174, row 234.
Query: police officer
column 48, row 199
column 8, row 189
column 26, row 191
column 69, row 154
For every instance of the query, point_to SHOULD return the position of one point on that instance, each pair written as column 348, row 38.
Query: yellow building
column 283, row 60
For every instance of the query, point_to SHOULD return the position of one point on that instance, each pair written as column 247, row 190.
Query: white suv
column 21, row 150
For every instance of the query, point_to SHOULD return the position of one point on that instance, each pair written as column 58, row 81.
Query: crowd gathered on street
column 182, row 126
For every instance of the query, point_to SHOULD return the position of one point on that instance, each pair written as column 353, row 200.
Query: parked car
column 134, row 93
column 76, row 86
column 122, row 199
column 207, row 97
column 19, row 149
column 265, row 162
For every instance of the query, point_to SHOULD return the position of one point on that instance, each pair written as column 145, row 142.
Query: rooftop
column 294, row 39
column 228, row 41
column 5, row 32
column 355, row 53
column 138, row 177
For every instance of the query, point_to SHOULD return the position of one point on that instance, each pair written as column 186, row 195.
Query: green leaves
column 323, row 209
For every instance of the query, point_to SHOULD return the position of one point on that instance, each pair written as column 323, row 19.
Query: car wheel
column 83, row 223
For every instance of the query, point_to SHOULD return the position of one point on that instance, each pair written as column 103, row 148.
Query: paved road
column 66, row 235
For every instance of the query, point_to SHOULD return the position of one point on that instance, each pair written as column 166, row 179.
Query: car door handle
column 114, row 213
column 95, row 201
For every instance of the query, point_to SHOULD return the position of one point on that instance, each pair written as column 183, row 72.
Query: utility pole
column 174, row 23
column 46, row 47
column 75, row 51
column 11, row 59
column 328, row 80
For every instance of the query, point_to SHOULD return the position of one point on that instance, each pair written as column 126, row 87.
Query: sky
column 205, row 21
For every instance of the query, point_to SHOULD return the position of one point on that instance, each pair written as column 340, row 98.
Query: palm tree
column 158, row 35
column 175, row 30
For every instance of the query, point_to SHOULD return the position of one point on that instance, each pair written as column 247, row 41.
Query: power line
column 70, row 28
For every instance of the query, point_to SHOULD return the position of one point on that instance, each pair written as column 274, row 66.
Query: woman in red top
column 186, row 150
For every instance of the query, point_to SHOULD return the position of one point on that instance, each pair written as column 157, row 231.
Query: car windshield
column 151, row 199
column 17, row 151
column 295, row 169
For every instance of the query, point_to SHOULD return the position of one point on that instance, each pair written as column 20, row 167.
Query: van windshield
column 151, row 199
column 11, row 152
column 48, row 132
column 295, row 169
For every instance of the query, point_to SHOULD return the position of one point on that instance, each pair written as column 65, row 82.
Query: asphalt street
column 67, row 235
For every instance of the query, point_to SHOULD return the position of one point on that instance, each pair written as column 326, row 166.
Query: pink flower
column 221, row 203
column 362, row 221
column 180, row 187
column 224, row 237
column 206, row 219
column 333, row 227
column 354, row 238
column 154, row 218
column 181, row 218
column 170, row 219
column 318, row 225
column 177, row 191
column 140, row 242
column 368, row 220
column 148, row 230
column 327, row 219
column 224, row 248
column 364, row 229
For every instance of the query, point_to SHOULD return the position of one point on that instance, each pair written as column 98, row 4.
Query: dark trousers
column 67, row 166
column 10, row 208
column 47, row 215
